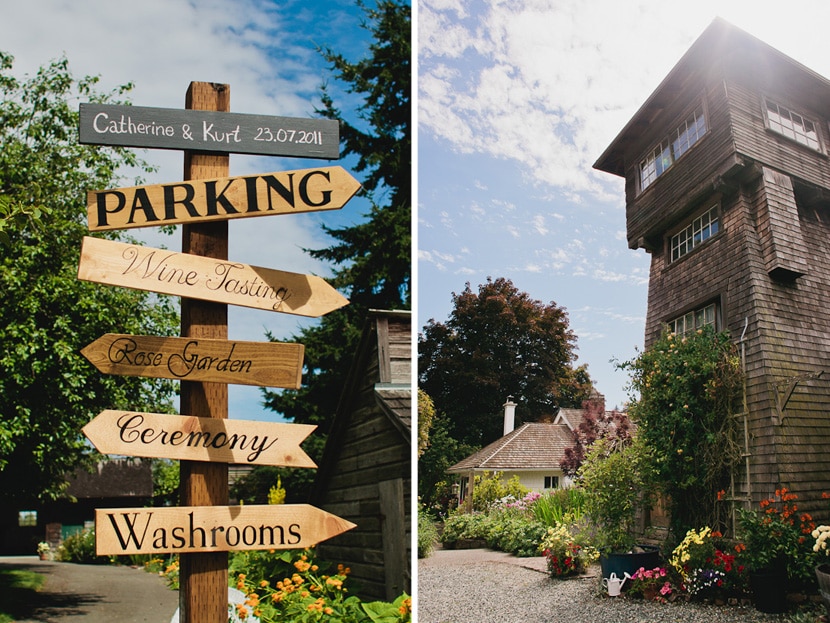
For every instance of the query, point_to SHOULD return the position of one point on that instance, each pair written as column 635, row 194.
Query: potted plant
column 43, row 550
column 821, row 535
column 707, row 566
column 617, row 481
column 564, row 552
column 650, row 584
column 776, row 553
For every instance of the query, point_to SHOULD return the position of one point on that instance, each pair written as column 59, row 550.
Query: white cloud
column 548, row 84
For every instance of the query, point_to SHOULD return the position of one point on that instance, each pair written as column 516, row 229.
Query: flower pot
column 823, row 577
column 621, row 563
column 769, row 590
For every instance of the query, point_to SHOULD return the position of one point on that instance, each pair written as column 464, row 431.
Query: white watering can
column 614, row 585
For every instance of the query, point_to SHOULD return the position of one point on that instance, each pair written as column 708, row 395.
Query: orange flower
column 721, row 493
column 740, row 547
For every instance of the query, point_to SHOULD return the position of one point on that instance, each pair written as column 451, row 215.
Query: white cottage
column 532, row 452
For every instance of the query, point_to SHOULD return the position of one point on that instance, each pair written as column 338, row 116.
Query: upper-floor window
column 695, row 233
column 696, row 319
column 670, row 149
column 792, row 125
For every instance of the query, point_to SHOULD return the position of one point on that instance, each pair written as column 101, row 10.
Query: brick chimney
column 509, row 415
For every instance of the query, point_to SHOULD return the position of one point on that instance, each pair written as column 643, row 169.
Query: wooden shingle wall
column 365, row 475
column 768, row 268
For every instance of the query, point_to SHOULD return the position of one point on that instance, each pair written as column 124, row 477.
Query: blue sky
column 265, row 50
column 516, row 100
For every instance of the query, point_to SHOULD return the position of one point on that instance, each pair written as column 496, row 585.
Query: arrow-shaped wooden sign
column 188, row 529
column 305, row 190
column 161, row 436
column 205, row 278
column 266, row 364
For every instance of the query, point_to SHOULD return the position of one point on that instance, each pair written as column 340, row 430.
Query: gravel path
column 461, row 586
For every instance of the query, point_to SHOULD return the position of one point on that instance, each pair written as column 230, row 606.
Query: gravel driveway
column 481, row 586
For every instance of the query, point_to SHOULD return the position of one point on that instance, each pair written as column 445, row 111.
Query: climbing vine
column 684, row 393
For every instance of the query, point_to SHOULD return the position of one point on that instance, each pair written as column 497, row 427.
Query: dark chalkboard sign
column 170, row 128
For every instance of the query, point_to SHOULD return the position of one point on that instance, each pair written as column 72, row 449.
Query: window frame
column 660, row 157
column 695, row 312
column 694, row 235
column 554, row 481
column 793, row 138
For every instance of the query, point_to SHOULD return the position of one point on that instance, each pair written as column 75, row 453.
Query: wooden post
column 203, row 594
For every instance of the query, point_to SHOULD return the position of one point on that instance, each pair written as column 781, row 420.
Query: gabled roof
column 571, row 418
column 531, row 446
column 720, row 44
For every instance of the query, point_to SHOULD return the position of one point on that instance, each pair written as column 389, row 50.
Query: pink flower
column 666, row 589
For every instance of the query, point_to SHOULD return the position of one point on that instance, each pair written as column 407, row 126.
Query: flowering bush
column 308, row 595
column 776, row 536
column 564, row 554
column 821, row 535
column 650, row 583
column 705, row 564
column 704, row 581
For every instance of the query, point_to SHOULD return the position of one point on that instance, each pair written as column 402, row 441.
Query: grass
column 17, row 589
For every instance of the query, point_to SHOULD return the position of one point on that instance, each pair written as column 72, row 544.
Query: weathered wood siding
column 768, row 269
column 366, row 474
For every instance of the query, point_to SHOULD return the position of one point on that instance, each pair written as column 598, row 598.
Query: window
column 696, row 233
column 692, row 321
column 670, row 149
column 26, row 518
column 551, row 482
column 792, row 125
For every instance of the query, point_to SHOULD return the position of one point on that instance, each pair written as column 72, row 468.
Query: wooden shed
column 365, row 473
column 727, row 187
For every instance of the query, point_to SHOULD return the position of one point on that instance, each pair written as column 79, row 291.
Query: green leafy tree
column 499, row 342
column 48, row 391
column 443, row 451
column 684, row 392
column 372, row 258
column 426, row 414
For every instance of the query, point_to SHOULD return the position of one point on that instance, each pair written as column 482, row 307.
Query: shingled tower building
column 727, row 186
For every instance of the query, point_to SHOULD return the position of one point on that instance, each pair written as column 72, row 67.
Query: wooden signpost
column 287, row 192
column 205, row 528
column 208, row 130
column 156, row 435
column 266, row 364
column 205, row 278
column 125, row 531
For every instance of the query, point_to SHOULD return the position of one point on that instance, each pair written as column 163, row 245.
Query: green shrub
column 512, row 531
column 303, row 593
column 490, row 489
column 552, row 507
column 427, row 533
column 80, row 548
column 461, row 525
